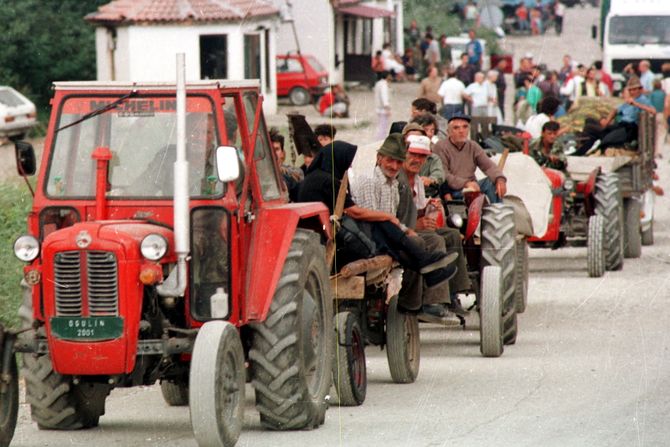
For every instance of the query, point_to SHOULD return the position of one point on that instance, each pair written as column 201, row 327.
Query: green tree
column 44, row 41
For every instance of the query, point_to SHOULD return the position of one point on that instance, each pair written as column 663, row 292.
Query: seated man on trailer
column 546, row 151
column 461, row 157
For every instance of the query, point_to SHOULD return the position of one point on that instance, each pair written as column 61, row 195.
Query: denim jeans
column 449, row 110
column 486, row 186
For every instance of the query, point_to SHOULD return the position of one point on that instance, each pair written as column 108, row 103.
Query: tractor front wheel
column 595, row 247
column 56, row 402
column 490, row 312
column 609, row 204
column 521, row 276
column 403, row 348
column 349, row 372
column 9, row 399
column 292, row 350
column 216, row 385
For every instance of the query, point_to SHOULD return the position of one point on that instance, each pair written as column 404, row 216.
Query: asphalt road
column 590, row 367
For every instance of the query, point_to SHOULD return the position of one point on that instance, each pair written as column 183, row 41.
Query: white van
column 636, row 30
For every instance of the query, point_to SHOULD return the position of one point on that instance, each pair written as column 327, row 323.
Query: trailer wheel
column 499, row 249
column 174, row 394
column 216, row 385
column 403, row 348
column 609, row 204
column 595, row 247
column 292, row 350
column 9, row 400
column 490, row 311
column 648, row 235
column 349, row 372
column 632, row 236
column 521, row 277
column 55, row 401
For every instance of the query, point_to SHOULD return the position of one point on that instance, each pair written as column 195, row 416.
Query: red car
column 300, row 77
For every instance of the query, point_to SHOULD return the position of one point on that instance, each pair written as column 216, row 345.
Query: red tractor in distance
column 161, row 247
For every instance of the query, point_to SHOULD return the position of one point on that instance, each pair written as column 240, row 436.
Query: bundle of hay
column 596, row 108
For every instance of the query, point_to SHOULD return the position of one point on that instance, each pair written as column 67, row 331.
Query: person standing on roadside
column 432, row 53
column 646, row 76
column 452, row 94
column 465, row 72
column 383, row 103
column 474, row 50
column 479, row 96
column 559, row 13
column 445, row 51
column 430, row 85
column 501, row 85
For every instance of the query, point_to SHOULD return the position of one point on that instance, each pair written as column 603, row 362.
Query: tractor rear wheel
column 55, row 401
column 499, row 249
column 403, row 347
column 632, row 236
column 521, row 277
column 595, row 246
column 609, row 204
column 490, row 311
column 174, row 394
column 9, row 400
column 216, row 385
column 292, row 350
column 349, row 372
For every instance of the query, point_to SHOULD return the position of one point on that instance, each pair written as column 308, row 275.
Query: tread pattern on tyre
column 521, row 278
column 277, row 372
column 55, row 402
column 490, row 325
column 348, row 393
column 174, row 394
column 609, row 204
column 499, row 249
column 9, row 404
column 632, row 235
column 648, row 235
column 595, row 253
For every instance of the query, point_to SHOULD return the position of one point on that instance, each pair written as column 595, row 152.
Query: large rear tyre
column 216, row 385
column 292, row 350
column 648, row 235
column 632, row 236
column 403, row 347
column 521, row 276
column 609, row 204
column 499, row 249
column 174, row 394
column 9, row 400
column 56, row 403
column 349, row 372
column 595, row 247
column 490, row 311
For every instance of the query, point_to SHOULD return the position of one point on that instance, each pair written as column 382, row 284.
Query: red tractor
column 161, row 247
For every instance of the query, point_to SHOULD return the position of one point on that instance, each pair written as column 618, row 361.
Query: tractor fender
column 271, row 236
column 474, row 215
column 522, row 219
column 588, row 188
column 556, row 178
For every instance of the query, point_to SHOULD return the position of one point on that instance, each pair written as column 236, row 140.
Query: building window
column 214, row 56
column 252, row 56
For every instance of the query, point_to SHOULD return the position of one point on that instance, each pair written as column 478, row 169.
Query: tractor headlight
column 27, row 248
column 154, row 247
column 456, row 220
column 569, row 184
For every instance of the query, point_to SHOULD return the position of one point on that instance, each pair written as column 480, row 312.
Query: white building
column 342, row 34
column 136, row 40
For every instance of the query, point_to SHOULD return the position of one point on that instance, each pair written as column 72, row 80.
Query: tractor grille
column 100, row 279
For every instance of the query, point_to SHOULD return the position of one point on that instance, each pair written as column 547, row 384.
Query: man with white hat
column 421, row 215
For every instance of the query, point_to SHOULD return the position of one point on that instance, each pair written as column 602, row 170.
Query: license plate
column 87, row 328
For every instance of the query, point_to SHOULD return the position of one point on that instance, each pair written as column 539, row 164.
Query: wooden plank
column 364, row 265
column 348, row 288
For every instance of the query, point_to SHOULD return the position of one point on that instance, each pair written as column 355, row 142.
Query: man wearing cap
column 625, row 129
column 432, row 173
column 381, row 192
column 461, row 157
column 422, row 214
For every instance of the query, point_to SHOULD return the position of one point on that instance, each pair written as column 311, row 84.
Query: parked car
column 17, row 114
column 300, row 77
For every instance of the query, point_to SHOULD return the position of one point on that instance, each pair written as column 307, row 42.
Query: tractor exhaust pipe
column 175, row 285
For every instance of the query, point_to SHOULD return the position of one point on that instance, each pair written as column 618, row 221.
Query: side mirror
column 25, row 158
column 227, row 163
column 594, row 32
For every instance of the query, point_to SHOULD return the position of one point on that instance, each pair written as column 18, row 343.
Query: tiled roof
column 142, row 11
column 340, row 3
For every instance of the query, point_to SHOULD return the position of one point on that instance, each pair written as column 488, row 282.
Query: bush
column 15, row 203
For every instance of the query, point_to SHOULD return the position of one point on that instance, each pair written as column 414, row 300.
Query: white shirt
column 382, row 96
column 479, row 94
column 535, row 123
column 452, row 91
column 571, row 89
